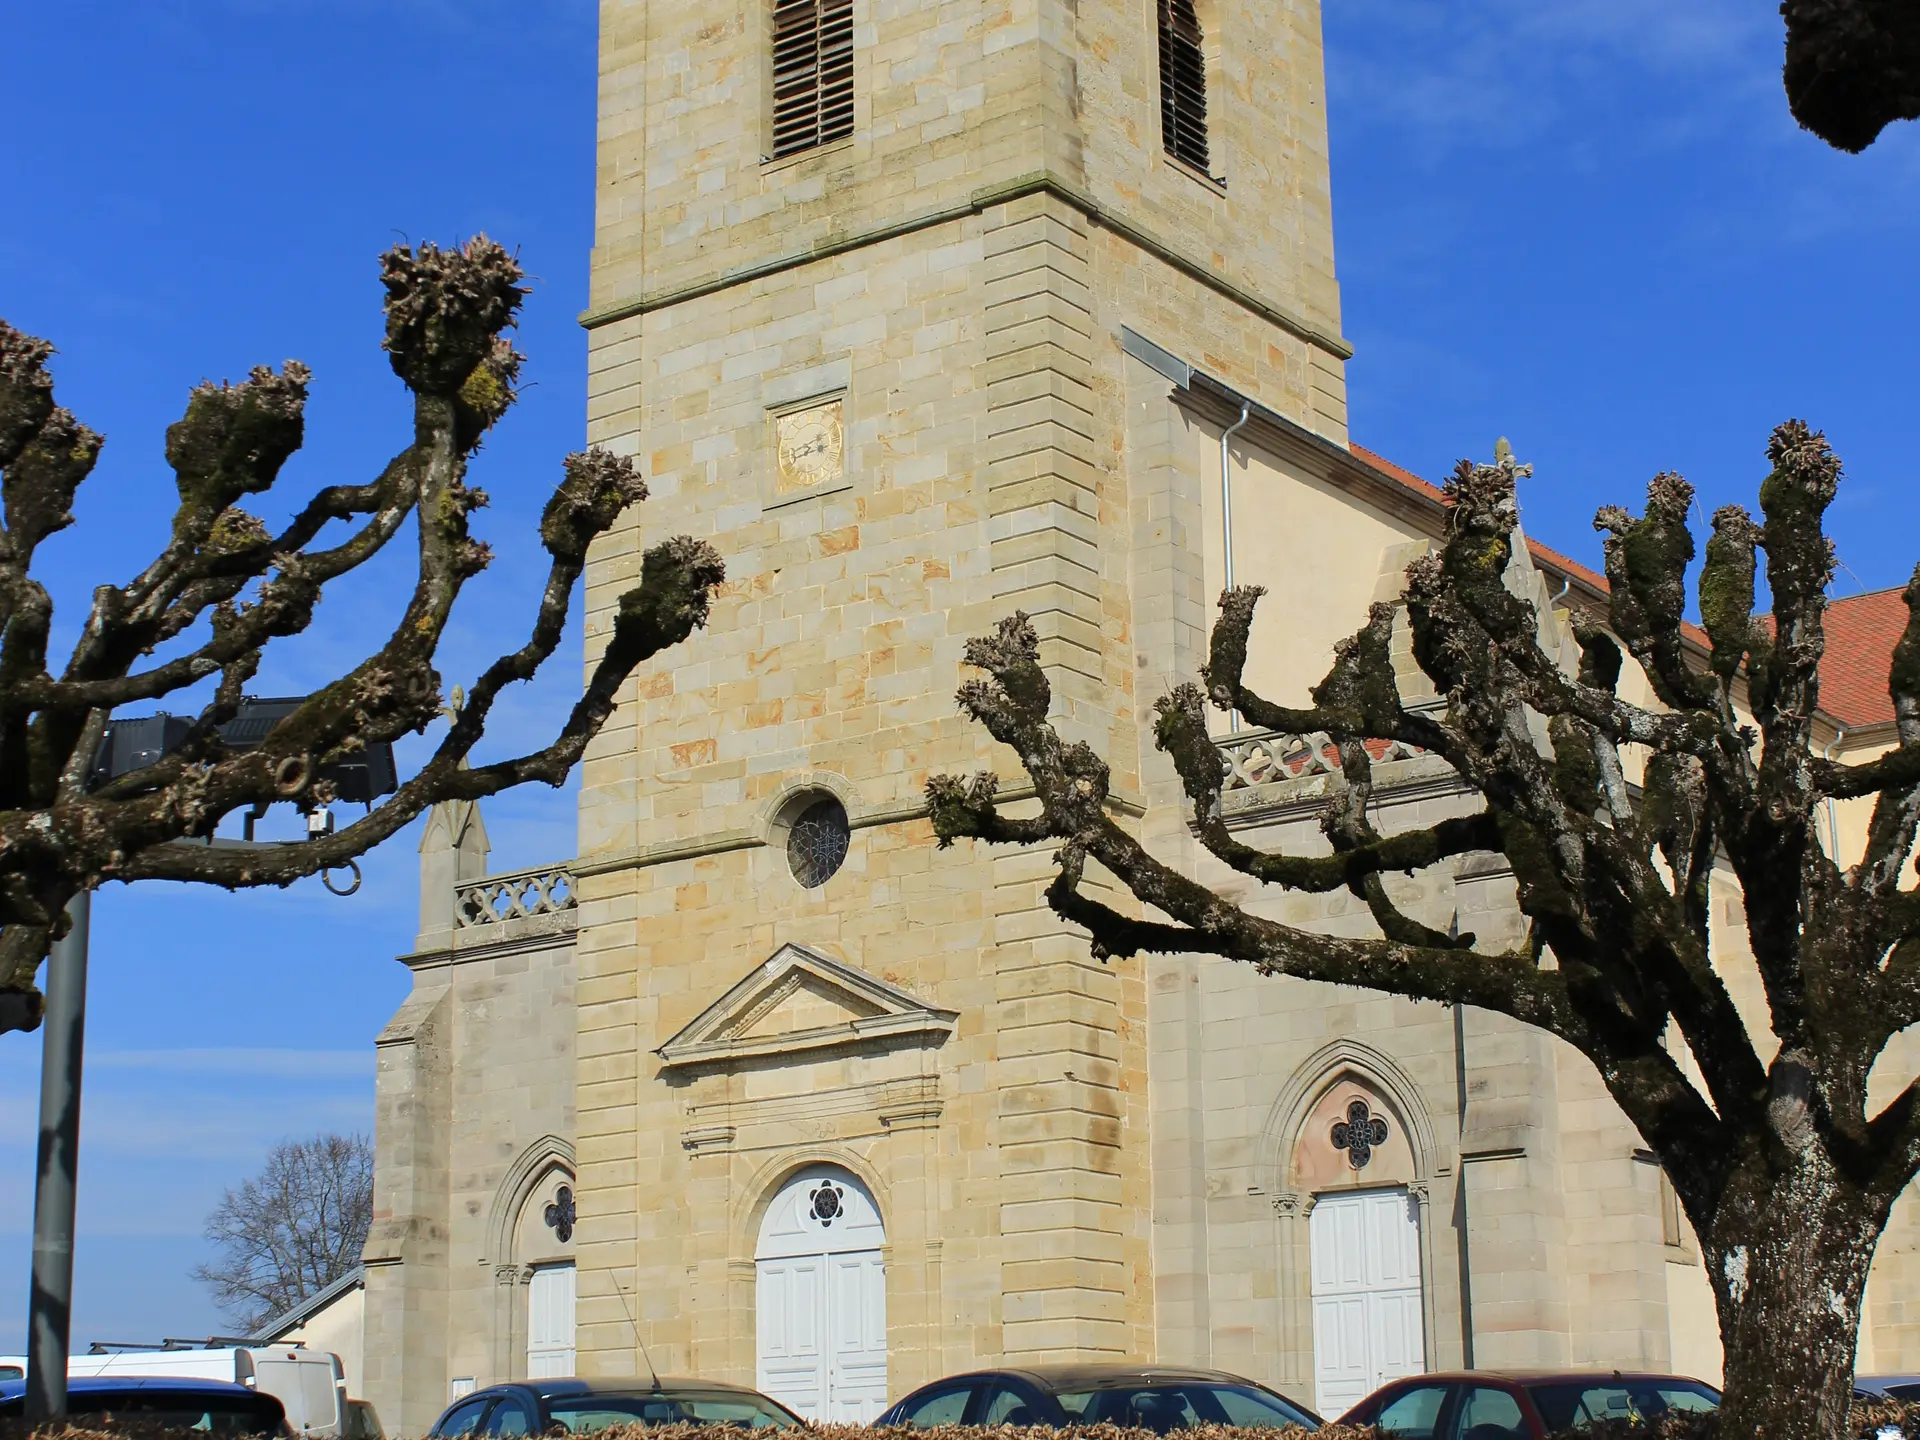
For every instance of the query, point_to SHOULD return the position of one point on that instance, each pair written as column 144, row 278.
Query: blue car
column 1160, row 1398
column 581, row 1407
column 215, row 1407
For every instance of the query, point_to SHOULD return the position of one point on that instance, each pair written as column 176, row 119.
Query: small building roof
column 295, row 1316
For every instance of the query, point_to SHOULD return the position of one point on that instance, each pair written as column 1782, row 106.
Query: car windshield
column 584, row 1414
column 1578, row 1405
column 1163, row 1408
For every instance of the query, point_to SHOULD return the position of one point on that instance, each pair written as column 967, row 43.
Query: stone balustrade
column 516, row 895
column 1263, row 757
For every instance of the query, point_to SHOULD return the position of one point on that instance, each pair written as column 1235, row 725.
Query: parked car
column 580, row 1407
column 362, row 1422
column 1523, row 1405
column 310, row 1384
column 1904, row 1388
column 215, row 1407
column 1160, row 1398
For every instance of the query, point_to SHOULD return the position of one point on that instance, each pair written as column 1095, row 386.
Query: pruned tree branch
column 221, row 590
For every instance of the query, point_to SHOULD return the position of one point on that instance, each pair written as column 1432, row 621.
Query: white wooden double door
column 823, row 1335
column 550, row 1322
column 1368, row 1313
column 821, row 1300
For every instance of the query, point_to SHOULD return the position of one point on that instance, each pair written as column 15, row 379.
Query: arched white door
column 821, row 1299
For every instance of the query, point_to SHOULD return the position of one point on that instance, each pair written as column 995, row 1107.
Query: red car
column 1523, row 1404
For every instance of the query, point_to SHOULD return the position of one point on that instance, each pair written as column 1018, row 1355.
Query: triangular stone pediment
column 800, row 1000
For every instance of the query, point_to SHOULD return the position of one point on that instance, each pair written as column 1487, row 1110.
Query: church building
column 922, row 312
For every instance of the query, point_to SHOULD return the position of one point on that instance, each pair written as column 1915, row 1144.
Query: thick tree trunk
column 1788, row 1257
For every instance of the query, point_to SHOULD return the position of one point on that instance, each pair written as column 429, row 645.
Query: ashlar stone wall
column 937, row 304
column 473, row 1127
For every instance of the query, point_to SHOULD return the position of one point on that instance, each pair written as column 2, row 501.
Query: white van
column 310, row 1383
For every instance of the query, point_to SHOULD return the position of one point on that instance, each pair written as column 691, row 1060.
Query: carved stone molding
column 1419, row 1192
column 876, row 1012
column 1289, row 1203
column 913, row 1115
column 702, row 1138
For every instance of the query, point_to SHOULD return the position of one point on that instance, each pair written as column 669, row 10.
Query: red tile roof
column 1861, row 629
column 1861, row 633
column 1387, row 467
column 1552, row 559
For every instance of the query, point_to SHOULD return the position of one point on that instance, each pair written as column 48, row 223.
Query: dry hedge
column 1868, row 1422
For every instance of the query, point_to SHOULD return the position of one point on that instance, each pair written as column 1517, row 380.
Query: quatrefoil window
column 827, row 1202
column 560, row 1214
column 1359, row 1134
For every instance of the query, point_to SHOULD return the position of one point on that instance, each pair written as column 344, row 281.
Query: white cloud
column 1504, row 73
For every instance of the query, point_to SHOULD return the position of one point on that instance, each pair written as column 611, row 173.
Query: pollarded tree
column 193, row 624
column 1784, row 1173
column 1852, row 67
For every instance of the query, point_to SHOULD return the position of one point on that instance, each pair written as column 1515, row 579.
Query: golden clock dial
column 810, row 446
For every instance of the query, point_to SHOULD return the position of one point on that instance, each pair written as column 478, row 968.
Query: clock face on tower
column 810, row 447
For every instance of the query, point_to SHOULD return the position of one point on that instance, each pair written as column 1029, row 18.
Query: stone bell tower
column 860, row 279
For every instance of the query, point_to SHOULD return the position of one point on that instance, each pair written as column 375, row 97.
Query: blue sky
column 1590, row 226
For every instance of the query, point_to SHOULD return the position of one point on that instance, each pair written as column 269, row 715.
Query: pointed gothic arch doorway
column 1353, row 1152
column 821, row 1298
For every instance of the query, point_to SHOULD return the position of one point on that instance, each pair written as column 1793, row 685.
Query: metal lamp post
column 129, row 745
column 50, row 1306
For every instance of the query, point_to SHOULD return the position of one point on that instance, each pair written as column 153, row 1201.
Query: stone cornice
column 1038, row 182
column 860, row 818
column 557, row 939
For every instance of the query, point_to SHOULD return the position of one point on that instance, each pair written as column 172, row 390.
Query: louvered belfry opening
column 812, row 73
column 1183, row 84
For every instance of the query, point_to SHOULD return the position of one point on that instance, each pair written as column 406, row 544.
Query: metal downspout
column 1833, row 806
column 1226, row 515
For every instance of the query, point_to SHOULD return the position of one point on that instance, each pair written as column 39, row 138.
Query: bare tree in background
column 1786, row 1172
column 191, row 628
column 292, row 1230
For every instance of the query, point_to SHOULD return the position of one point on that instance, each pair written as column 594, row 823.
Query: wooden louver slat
column 1183, row 84
column 812, row 73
